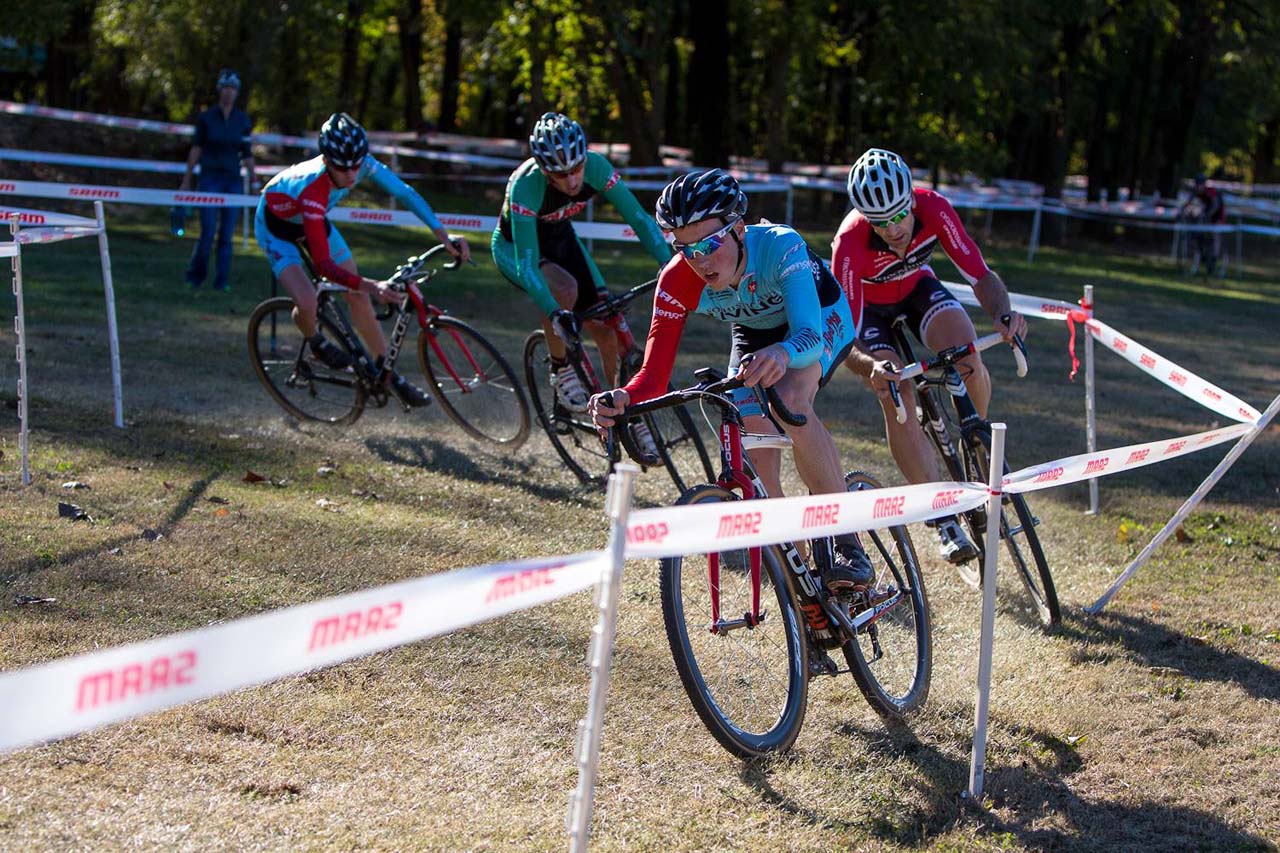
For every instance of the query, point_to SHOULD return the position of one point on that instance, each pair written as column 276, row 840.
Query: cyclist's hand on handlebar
column 383, row 292
column 566, row 326
column 765, row 367
column 883, row 374
column 459, row 248
column 1011, row 325
column 603, row 414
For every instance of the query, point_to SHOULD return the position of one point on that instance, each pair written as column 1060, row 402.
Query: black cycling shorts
column 926, row 301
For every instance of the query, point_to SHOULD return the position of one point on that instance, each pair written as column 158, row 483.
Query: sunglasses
column 894, row 220
column 706, row 246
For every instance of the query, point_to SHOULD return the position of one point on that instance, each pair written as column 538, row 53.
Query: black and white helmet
column 558, row 143
column 880, row 184
column 695, row 196
column 343, row 142
column 228, row 77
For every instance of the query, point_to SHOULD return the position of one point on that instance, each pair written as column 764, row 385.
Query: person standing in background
column 221, row 143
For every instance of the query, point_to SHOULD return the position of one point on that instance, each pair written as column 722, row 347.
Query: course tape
column 56, row 235
column 674, row 530
column 80, row 693
column 1087, row 466
column 42, row 217
column 1178, row 378
column 1028, row 306
column 8, row 250
column 168, row 198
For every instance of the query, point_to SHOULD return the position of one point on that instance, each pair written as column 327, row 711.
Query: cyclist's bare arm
column 994, row 298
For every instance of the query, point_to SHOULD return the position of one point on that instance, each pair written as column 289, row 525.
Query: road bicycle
column 676, row 438
column 749, row 628
column 467, row 374
column 962, row 440
column 1196, row 249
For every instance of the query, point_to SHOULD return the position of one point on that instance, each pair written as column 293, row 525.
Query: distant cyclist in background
column 881, row 258
column 1206, row 207
column 536, row 249
column 220, row 144
column 294, row 208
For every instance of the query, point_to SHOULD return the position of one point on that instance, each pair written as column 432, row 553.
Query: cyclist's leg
column 766, row 461
column 362, row 316
column 944, row 323
column 908, row 444
column 286, row 266
column 578, row 263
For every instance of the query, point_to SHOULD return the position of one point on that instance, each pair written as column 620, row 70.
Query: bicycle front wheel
column 1017, row 531
column 748, row 683
column 473, row 382
column 891, row 656
column 571, row 433
column 303, row 385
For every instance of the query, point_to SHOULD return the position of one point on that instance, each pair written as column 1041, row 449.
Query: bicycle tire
column 970, row 572
column 571, row 433
column 302, row 386
column 749, row 713
column 473, row 383
column 891, row 659
column 1038, row 580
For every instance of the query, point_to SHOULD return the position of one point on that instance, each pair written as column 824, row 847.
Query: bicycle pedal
column 820, row 663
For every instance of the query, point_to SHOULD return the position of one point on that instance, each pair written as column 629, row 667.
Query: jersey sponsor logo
column 6, row 187
column 1138, row 456
column 670, row 315
column 612, row 182
column 92, row 192
column 821, row 515
column 947, row 498
column 371, row 216
column 1211, row 394
column 1096, row 465
column 196, row 198
column 834, row 329
column 519, row 582
column 738, row 524
column 888, row 507
column 339, row 628
column 1050, row 475
column 1175, row 446
column 766, row 307
column 888, row 267
column 520, row 210
column 567, row 212
column 1177, row 378
column 135, row 679
column 667, row 297
column 655, row 533
column 1147, row 361
column 953, row 232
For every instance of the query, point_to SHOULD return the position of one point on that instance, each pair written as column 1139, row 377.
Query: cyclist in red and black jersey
column 1206, row 207
column 881, row 258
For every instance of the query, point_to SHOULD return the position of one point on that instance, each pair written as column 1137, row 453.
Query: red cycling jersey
column 870, row 271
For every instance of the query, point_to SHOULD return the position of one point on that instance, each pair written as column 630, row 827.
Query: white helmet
column 880, row 184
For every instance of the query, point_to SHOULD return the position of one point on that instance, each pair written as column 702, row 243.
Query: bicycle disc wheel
column 473, row 382
column 931, row 408
column 1018, row 532
column 303, row 385
column 571, row 433
column 748, row 684
column 680, row 446
column 891, row 658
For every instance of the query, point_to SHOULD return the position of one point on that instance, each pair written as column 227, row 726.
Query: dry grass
column 1153, row 725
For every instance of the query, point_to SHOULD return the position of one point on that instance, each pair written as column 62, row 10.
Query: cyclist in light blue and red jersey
column 791, row 328
column 294, row 210
column 881, row 257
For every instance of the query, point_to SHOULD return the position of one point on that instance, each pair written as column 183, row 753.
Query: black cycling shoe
column 329, row 354
column 953, row 545
column 411, row 395
column 850, row 570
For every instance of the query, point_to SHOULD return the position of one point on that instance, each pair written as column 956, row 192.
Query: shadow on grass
column 1155, row 645
column 1024, row 800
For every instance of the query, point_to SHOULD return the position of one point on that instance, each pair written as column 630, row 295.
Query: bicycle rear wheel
column 473, row 382
column 748, row 684
column 891, row 657
column 303, row 386
column 1017, row 531
column 571, row 433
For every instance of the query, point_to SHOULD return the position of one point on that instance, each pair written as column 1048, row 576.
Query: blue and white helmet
column 558, row 143
column 343, row 142
column 228, row 77
column 695, row 196
column 880, row 184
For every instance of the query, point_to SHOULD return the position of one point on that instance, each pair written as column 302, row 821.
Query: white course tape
column 1028, row 306
column 56, row 235
column 675, row 530
column 1086, row 466
column 1178, row 378
column 80, row 693
column 42, row 217
column 8, row 250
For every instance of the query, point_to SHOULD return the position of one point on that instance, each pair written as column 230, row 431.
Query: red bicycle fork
column 734, row 477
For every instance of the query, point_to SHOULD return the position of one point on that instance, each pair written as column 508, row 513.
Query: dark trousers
column 221, row 220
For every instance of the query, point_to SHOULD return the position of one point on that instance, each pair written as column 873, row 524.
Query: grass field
column 1154, row 725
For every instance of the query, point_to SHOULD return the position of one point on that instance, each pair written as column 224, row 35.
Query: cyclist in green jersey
column 536, row 248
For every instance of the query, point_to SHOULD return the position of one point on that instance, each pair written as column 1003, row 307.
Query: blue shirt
column 223, row 141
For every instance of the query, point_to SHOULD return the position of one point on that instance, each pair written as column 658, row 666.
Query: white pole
column 1035, row 232
column 1188, row 505
column 977, row 764
column 1090, row 398
column 20, row 329
column 244, row 212
column 618, row 506
column 109, row 292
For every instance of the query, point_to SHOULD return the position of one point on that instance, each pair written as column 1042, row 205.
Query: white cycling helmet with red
column 880, row 184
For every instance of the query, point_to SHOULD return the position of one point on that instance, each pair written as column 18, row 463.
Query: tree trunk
column 451, row 78
column 67, row 58
column 708, row 88
column 409, row 18
column 779, row 71
column 350, row 56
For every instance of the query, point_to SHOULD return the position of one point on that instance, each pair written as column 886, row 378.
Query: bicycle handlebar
column 951, row 356
column 609, row 303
